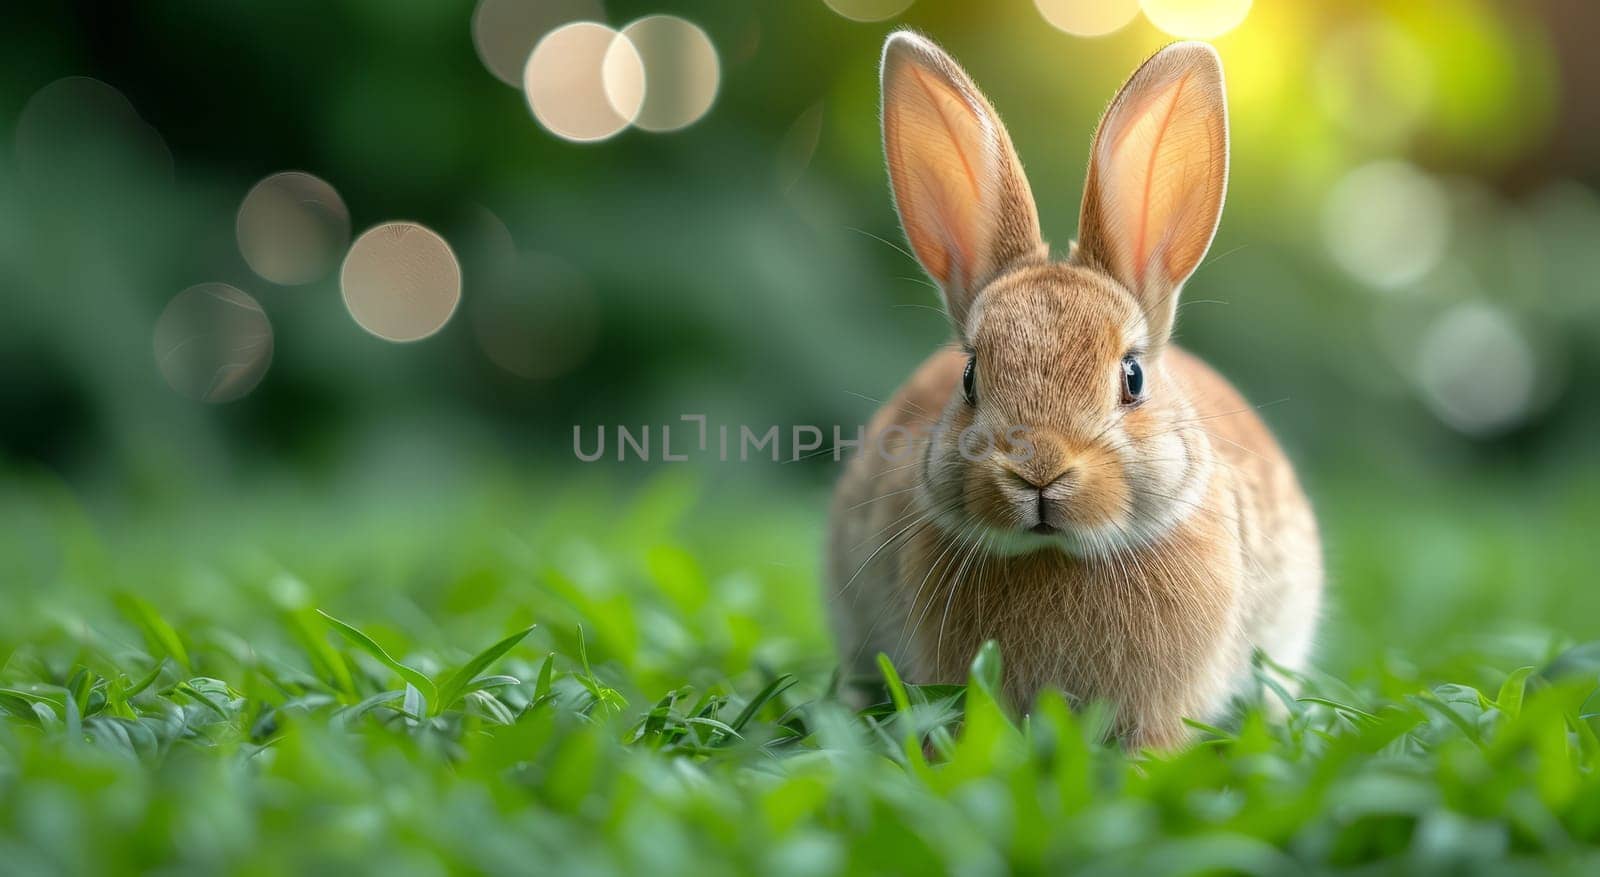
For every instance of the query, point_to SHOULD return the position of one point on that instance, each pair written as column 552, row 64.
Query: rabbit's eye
column 969, row 380
column 1132, row 380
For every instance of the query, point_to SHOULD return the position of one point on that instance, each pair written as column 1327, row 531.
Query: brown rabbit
column 1064, row 479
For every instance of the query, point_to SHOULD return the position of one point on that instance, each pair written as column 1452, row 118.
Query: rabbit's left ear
column 963, row 200
column 1157, row 174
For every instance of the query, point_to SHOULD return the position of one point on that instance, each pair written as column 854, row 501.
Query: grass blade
column 194, row 691
column 541, row 689
column 484, row 683
column 1509, row 701
column 774, row 688
column 74, row 720
column 350, row 714
column 411, row 675
column 415, row 705
column 160, row 634
column 324, row 657
column 987, row 669
column 455, row 687
column 27, row 696
column 715, row 725
column 1357, row 712
column 18, row 707
column 897, row 688
column 491, row 707
column 149, row 678
column 910, row 746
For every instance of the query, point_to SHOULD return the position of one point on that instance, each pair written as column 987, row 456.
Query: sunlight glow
column 869, row 10
column 1387, row 223
column 1375, row 81
column 1088, row 18
column 1196, row 19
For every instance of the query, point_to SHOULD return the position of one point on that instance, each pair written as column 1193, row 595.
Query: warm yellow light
column 1088, row 18
column 1387, row 223
column 869, row 10
column 1374, row 80
column 1196, row 19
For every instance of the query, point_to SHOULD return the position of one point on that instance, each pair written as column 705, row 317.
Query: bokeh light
column 746, row 39
column 1266, row 65
column 1374, row 80
column 1387, row 223
column 536, row 318
column 585, row 82
column 292, row 227
column 1566, row 225
column 1088, row 18
column 1477, row 370
column 1196, row 19
column 799, row 146
column 869, row 10
column 80, row 132
column 681, row 72
column 485, row 241
column 213, row 343
column 401, row 281
column 505, row 31
column 1493, row 86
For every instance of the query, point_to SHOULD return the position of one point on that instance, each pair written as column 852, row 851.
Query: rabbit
column 1128, row 531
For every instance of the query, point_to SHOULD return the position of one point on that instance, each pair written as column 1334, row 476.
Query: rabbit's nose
column 1043, row 481
column 1041, row 493
column 1061, row 485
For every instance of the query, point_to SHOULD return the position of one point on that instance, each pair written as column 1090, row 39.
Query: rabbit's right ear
column 1157, row 174
column 963, row 200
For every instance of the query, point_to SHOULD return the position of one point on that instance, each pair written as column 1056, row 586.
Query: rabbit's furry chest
column 1152, row 625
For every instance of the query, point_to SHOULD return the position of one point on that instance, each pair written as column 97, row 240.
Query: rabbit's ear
column 963, row 200
column 1157, row 174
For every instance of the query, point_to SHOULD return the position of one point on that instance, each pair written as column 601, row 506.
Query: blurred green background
column 1405, row 279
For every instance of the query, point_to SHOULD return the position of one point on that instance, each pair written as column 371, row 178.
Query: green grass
column 607, row 679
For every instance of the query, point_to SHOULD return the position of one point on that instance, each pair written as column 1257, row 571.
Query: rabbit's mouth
column 1015, row 542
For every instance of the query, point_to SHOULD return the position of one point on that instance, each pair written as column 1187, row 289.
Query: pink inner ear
column 904, row 175
column 1161, row 118
column 941, row 101
column 963, row 200
column 1147, row 181
column 930, row 136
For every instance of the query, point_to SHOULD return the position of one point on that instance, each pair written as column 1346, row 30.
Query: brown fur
column 1181, row 539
